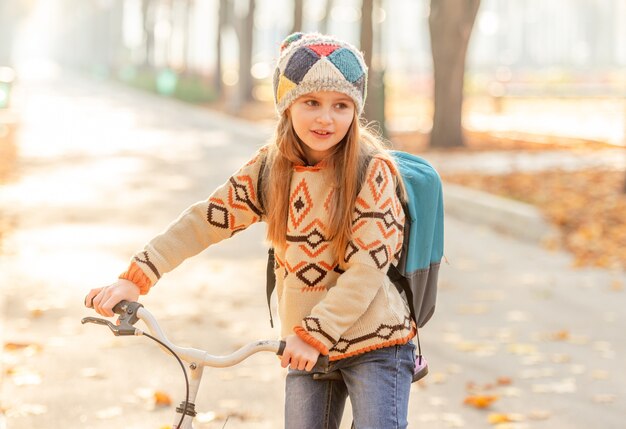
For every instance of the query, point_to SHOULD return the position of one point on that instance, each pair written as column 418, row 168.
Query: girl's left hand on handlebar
column 103, row 299
column 298, row 354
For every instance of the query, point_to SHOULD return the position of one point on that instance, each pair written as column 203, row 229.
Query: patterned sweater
column 341, row 313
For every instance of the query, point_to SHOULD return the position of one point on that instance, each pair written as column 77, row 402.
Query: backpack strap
column 259, row 184
column 270, row 284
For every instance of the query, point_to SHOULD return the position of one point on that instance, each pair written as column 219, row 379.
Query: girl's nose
column 324, row 117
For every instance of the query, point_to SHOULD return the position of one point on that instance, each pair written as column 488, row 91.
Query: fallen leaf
column 539, row 415
column 521, row 349
column 560, row 358
column 562, row 335
column 604, row 399
column 480, row 401
column 22, row 376
column 162, row 399
column 29, row 348
column 35, row 313
column 600, row 374
column 617, row 286
column 534, row 359
column 504, row 381
column 438, row 378
column 480, row 349
column 495, row 419
column 27, row 409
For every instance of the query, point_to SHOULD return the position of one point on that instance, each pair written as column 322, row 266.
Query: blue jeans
column 377, row 382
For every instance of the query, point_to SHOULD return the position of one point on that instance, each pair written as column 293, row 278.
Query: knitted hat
column 314, row 62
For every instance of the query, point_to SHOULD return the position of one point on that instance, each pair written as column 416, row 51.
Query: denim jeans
column 377, row 382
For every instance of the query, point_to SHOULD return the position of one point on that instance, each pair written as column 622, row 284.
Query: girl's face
column 321, row 120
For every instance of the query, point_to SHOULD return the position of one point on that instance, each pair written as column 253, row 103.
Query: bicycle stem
column 195, row 377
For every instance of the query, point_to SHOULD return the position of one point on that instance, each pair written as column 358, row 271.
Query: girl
column 329, row 194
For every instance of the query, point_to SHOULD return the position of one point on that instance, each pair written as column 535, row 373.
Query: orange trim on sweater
column 137, row 276
column 310, row 340
column 397, row 342
column 317, row 167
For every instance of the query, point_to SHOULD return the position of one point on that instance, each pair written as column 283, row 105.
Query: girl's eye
column 311, row 103
column 342, row 105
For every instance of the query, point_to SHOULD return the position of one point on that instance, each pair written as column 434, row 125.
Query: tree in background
column 222, row 23
column 147, row 16
column 11, row 13
column 374, row 109
column 324, row 23
column 298, row 10
column 187, row 7
column 450, row 23
column 244, row 28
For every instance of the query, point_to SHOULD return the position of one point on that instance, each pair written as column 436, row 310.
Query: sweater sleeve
column 377, row 233
column 231, row 208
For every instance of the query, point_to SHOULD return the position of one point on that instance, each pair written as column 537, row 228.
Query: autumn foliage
column 588, row 206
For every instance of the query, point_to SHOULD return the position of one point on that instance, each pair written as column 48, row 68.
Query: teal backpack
column 418, row 269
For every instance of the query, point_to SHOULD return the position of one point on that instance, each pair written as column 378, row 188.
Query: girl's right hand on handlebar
column 103, row 299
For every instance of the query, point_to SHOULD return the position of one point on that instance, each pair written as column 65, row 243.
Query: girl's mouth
column 322, row 133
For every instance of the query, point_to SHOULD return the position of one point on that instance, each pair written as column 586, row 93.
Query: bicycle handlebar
column 130, row 312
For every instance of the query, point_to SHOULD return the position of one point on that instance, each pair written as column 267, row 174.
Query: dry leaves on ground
column 588, row 206
column 480, row 401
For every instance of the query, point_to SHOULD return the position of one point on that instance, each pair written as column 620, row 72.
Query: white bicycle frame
column 131, row 312
column 198, row 359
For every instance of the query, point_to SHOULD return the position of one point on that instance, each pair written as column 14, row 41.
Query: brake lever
column 121, row 329
column 127, row 318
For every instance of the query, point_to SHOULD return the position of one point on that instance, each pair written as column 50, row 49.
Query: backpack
column 417, row 271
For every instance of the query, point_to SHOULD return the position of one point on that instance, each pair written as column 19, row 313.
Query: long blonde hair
column 348, row 163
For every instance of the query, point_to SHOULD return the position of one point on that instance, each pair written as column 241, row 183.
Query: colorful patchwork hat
column 314, row 62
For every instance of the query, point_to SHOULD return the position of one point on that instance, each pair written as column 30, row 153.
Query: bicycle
column 131, row 312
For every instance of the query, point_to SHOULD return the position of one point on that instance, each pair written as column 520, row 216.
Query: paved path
column 104, row 168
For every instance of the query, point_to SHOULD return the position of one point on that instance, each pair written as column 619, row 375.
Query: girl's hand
column 103, row 299
column 298, row 354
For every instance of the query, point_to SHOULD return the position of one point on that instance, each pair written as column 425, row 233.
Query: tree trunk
column 298, row 6
column 450, row 23
column 148, row 31
column 116, row 39
column 367, row 30
column 221, row 25
column 8, row 26
column 246, row 63
column 245, row 32
column 324, row 23
column 186, row 39
column 375, row 103
column 624, row 142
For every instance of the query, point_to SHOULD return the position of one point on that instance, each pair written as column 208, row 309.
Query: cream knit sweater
column 341, row 313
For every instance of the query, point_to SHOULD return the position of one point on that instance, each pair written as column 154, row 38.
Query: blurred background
column 550, row 68
column 107, row 105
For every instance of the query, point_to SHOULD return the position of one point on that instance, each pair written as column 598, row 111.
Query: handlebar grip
column 281, row 348
column 321, row 366
column 120, row 307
